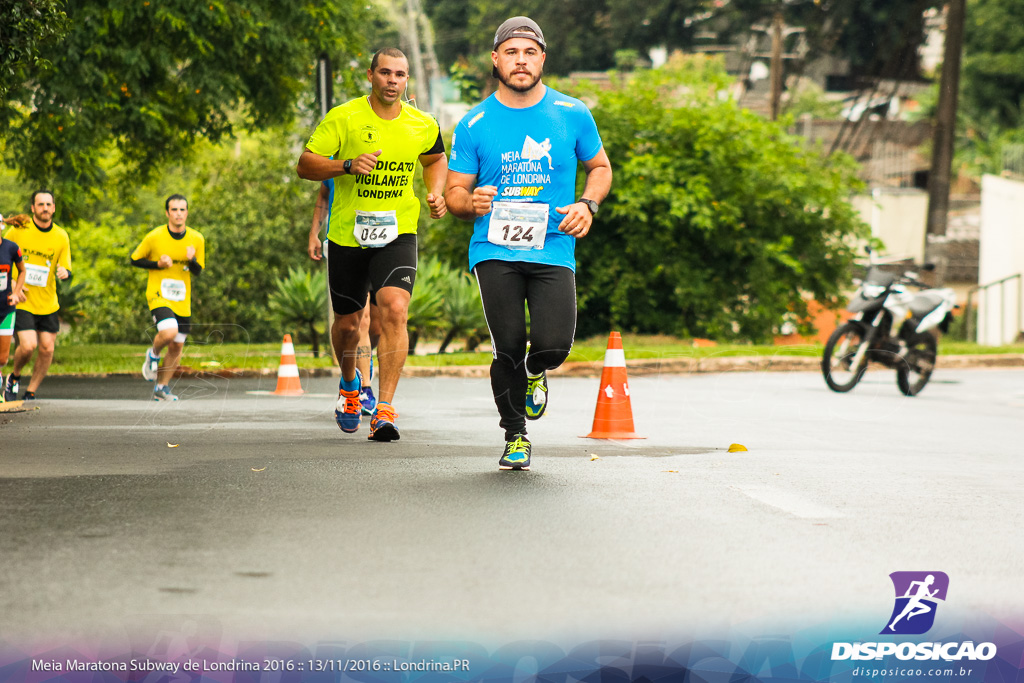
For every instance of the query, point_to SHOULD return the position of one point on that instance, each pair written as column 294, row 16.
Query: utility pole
column 945, row 119
column 324, row 83
column 777, row 77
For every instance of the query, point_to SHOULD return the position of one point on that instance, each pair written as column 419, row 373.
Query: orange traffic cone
column 613, row 417
column 288, row 371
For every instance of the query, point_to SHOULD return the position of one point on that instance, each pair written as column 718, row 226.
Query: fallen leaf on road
column 670, row 470
column 258, row 470
column 594, row 456
column 736, row 448
column 171, row 445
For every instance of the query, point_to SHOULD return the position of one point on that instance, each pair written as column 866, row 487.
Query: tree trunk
column 447, row 340
column 945, row 121
column 315, row 338
column 414, row 336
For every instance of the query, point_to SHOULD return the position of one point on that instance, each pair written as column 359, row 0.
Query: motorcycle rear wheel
column 836, row 361
column 916, row 368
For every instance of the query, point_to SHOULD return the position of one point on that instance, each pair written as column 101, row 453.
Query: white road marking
column 788, row 502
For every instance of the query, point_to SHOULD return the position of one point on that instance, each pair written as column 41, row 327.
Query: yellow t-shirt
column 385, row 197
column 171, row 287
column 43, row 251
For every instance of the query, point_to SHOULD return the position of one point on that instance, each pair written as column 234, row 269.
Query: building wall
column 898, row 217
column 1001, row 255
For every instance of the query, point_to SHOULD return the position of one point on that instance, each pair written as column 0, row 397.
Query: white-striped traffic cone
column 613, row 417
column 288, row 371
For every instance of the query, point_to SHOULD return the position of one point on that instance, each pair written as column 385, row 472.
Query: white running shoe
column 150, row 366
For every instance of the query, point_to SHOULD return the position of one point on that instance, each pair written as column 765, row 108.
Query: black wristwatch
column 348, row 166
column 591, row 204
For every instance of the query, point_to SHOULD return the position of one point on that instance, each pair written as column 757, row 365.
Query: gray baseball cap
column 519, row 27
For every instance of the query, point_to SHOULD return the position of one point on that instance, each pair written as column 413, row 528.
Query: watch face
column 591, row 204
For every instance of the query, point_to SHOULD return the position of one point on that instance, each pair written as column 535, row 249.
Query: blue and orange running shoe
column 348, row 411
column 516, row 455
column 382, row 424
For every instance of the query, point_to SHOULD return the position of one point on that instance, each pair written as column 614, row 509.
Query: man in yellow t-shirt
column 46, row 250
column 369, row 324
column 173, row 254
column 370, row 146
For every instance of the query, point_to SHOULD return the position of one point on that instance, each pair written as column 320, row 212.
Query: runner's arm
column 435, row 171
column 313, row 166
column 146, row 263
column 465, row 199
column 315, row 247
column 578, row 218
column 63, row 269
column 194, row 267
column 599, row 177
column 17, row 292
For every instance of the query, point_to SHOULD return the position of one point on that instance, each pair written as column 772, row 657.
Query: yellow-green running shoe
column 536, row 395
column 516, row 455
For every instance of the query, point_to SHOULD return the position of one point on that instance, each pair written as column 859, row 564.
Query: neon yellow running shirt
column 353, row 129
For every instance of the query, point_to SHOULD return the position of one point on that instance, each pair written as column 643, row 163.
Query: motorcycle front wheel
column 837, row 360
column 916, row 368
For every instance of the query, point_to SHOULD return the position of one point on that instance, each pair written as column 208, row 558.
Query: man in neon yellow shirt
column 173, row 254
column 370, row 147
column 369, row 325
column 46, row 249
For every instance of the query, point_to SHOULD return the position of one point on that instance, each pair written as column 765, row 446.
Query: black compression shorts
column 354, row 271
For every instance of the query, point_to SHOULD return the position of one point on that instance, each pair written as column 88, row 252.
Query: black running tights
column 507, row 288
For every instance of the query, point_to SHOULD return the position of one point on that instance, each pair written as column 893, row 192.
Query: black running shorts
column 354, row 271
column 27, row 320
column 161, row 313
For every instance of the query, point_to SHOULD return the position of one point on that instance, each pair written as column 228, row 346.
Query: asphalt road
column 253, row 516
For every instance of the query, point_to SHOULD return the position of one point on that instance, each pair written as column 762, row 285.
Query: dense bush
column 719, row 224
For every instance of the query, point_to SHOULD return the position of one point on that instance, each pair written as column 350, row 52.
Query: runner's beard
column 507, row 82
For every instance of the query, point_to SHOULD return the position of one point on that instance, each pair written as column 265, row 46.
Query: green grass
column 72, row 359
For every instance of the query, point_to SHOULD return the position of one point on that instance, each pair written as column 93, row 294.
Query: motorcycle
column 893, row 327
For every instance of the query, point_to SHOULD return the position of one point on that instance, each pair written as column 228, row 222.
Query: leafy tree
column 991, row 103
column 148, row 78
column 255, row 215
column 28, row 30
column 719, row 223
column 993, row 64
column 880, row 38
column 301, row 299
column 110, row 300
column 581, row 34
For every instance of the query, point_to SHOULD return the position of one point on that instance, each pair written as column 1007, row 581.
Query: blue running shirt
column 530, row 155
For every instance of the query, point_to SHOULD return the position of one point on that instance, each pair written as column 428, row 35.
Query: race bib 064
column 375, row 228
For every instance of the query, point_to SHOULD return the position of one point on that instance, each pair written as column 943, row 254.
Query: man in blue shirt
column 513, row 172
